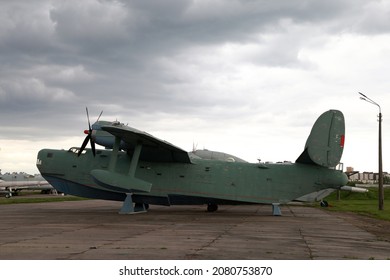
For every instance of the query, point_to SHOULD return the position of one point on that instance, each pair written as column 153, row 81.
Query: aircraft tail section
column 325, row 143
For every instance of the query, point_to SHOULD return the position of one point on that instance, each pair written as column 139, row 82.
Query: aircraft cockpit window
column 76, row 150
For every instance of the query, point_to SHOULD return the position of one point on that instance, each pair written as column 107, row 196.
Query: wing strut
column 135, row 159
column 119, row 182
column 114, row 154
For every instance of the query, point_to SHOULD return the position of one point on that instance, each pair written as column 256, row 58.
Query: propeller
column 89, row 137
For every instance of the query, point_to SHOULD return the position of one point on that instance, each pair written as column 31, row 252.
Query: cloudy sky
column 245, row 77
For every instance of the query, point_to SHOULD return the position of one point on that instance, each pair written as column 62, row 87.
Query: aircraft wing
column 153, row 149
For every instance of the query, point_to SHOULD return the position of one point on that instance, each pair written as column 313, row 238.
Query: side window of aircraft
column 76, row 151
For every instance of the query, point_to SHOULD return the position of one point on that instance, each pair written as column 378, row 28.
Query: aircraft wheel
column 146, row 206
column 8, row 195
column 324, row 203
column 212, row 207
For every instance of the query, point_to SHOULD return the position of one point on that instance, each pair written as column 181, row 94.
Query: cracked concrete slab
column 93, row 229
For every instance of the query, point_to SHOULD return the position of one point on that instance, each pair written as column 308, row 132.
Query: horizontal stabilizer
column 119, row 182
column 325, row 143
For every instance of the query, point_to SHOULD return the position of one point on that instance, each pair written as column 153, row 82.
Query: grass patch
column 361, row 203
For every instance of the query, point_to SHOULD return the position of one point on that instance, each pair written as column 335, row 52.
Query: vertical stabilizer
column 325, row 144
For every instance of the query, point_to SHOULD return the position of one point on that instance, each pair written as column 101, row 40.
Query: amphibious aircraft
column 140, row 169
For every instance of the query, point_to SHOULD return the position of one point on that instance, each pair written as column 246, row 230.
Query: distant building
column 349, row 169
column 364, row 177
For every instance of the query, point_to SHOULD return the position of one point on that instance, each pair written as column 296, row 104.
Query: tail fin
column 325, row 144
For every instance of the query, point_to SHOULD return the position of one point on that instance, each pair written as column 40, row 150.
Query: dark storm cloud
column 134, row 56
column 137, row 30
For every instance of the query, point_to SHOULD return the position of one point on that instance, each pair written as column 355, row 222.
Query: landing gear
column 129, row 208
column 212, row 207
column 8, row 195
column 276, row 209
column 324, row 203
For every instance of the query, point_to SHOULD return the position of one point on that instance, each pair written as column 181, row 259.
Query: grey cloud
column 134, row 28
column 149, row 56
column 25, row 28
column 94, row 25
column 374, row 20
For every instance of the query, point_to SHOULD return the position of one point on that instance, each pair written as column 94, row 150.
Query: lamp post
column 380, row 182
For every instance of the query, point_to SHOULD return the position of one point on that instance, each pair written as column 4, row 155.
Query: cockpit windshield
column 76, row 150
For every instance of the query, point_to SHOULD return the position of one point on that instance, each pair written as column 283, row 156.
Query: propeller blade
column 99, row 116
column 89, row 124
column 89, row 137
column 84, row 144
column 93, row 147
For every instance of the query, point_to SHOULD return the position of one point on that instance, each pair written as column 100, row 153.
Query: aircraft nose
column 42, row 157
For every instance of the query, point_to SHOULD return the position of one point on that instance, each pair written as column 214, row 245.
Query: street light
column 380, row 186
